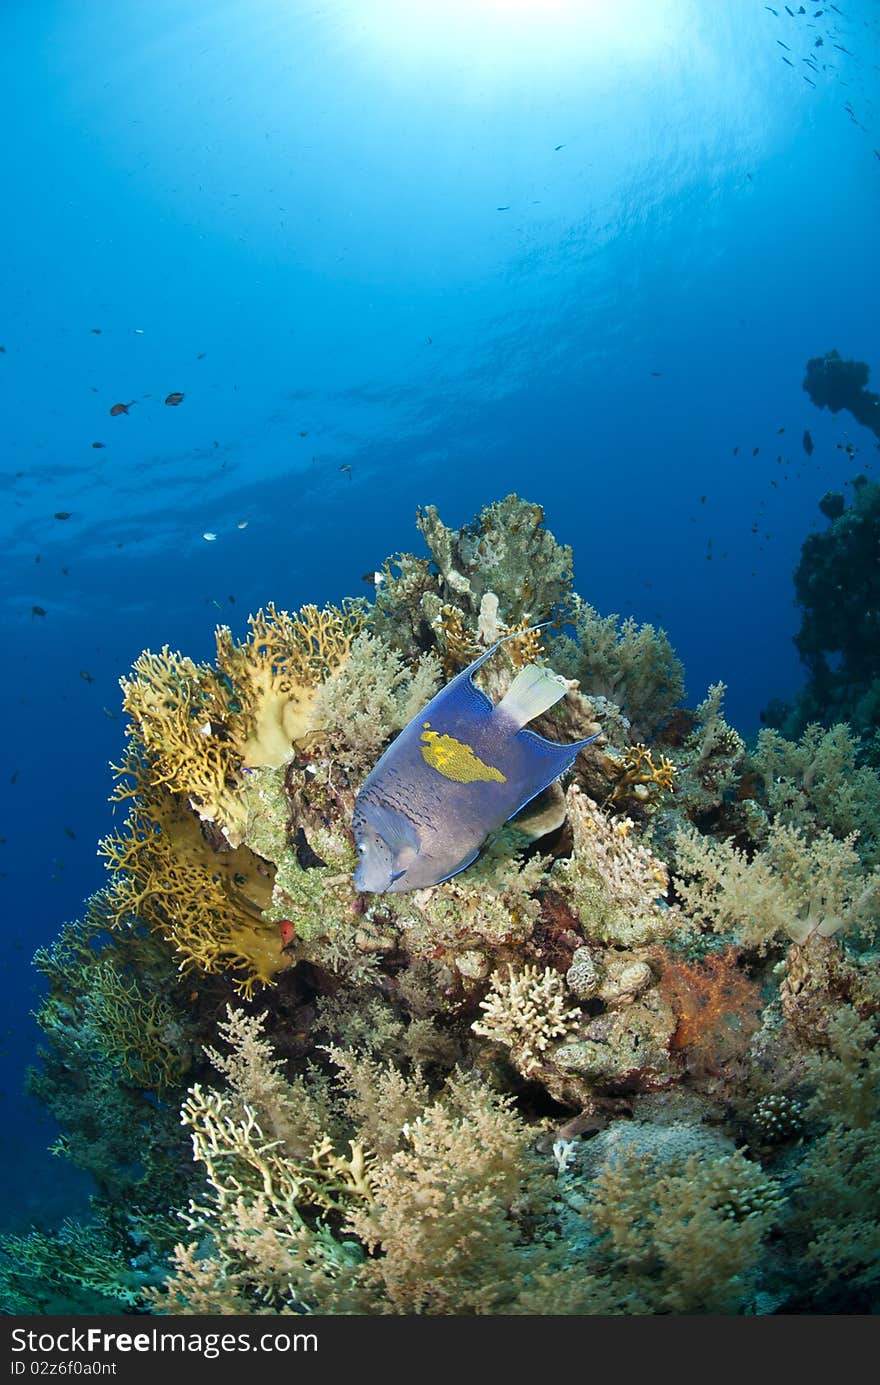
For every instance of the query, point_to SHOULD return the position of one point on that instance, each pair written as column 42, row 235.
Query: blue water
column 346, row 233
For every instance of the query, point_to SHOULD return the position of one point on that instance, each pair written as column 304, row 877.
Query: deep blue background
column 350, row 221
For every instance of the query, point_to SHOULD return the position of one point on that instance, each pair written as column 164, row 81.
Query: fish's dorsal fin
column 505, row 639
column 463, row 686
column 392, row 826
column 533, row 691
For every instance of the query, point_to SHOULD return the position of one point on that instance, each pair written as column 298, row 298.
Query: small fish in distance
column 454, row 775
column 63, row 514
column 118, row 409
column 174, row 398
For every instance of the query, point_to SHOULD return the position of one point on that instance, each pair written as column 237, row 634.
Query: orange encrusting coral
column 180, row 717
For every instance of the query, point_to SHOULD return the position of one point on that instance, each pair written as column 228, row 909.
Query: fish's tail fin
column 533, row 691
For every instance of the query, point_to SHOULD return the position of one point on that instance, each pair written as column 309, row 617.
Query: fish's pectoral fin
column 393, row 827
column 462, row 865
column 534, row 690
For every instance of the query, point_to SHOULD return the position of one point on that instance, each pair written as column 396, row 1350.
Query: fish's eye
column 361, row 848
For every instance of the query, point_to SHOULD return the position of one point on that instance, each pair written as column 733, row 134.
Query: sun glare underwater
column 441, row 789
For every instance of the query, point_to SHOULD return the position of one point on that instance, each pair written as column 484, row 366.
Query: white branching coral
column 615, row 884
column 265, row 1216
column 792, row 888
column 525, row 1011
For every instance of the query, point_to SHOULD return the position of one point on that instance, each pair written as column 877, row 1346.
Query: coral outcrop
column 615, row 1066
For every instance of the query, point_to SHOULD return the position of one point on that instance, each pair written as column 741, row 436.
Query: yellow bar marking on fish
column 455, row 760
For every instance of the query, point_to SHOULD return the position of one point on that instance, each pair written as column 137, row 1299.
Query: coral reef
column 196, row 728
column 835, row 384
column 837, row 587
column 626, row 1062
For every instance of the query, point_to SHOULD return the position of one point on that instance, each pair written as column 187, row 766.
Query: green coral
column 710, row 760
column 119, row 1044
column 77, row 1269
column 318, row 899
column 506, row 551
column 792, row 888
column 684, row 1236
column 631, row 665
column 817, row 783
column 372, row 697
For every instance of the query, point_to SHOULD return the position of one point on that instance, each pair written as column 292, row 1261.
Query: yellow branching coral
column 458, row 645
column 526, row 647
column 182, row 721
column 636, row 775
column 194, row 733
column 236, row 1153
column 208, row 904
column 199, row 727
column 277, row 671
